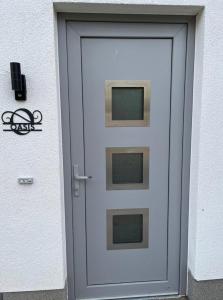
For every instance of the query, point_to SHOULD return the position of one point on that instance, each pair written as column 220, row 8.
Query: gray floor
column 59, row 295
column 205, row 290
column 40, row 295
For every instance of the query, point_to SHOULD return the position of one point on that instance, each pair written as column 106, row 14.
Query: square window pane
column 127, row 103
column 127, row 229
column 127, row 168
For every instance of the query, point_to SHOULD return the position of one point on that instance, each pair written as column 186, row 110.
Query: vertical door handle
column 76, row 180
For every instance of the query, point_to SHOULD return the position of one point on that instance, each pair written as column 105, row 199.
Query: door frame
column 186, row 139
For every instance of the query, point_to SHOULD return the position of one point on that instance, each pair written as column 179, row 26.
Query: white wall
column 32, row 217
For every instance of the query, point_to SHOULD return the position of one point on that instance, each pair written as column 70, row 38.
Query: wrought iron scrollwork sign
column 22, row 121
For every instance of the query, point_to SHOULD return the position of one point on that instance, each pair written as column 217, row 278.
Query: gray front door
column 126, row 97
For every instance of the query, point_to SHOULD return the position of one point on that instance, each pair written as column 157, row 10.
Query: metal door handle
column 76, row 180
column 78, row 177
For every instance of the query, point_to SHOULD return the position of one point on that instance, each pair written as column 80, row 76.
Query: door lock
column 76, row 180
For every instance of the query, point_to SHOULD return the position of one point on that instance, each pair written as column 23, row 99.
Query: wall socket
column 25, row 180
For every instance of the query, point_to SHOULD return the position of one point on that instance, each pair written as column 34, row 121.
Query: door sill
column 169, row 297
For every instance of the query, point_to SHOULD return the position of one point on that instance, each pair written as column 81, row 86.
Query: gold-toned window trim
column 109, row 84
column 132, row 211
column 127, row 186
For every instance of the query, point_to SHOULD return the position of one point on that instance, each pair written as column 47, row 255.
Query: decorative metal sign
column 22, row 121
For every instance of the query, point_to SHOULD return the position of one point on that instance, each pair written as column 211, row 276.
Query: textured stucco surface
column 32, row 217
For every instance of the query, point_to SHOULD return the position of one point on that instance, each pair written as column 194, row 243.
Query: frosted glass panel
column 127, row 103
column 127, row 168
column 127, row 229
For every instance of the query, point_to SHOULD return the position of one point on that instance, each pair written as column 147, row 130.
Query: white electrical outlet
column 25, row 180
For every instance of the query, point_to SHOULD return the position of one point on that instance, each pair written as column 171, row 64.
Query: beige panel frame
column 127, row 186
column 132, row 211
column 109, row 84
